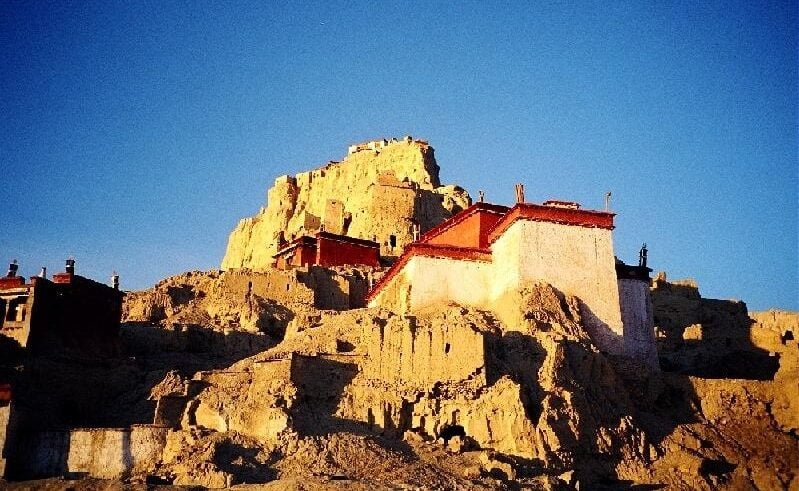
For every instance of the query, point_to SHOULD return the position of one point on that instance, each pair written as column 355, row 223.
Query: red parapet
column 7, row 282
column 553, row 214
column 63, row 278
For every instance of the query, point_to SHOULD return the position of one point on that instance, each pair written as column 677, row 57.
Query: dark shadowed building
column 69, row 315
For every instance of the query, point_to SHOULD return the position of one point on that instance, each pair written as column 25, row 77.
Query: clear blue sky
column 135, row 135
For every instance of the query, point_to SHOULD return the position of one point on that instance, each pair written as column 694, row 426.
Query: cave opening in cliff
column 450, row 431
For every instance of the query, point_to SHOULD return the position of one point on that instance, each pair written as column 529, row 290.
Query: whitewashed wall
column 577, row 261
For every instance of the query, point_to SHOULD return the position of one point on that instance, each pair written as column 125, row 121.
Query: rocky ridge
column 373, row 194
column 460, row 400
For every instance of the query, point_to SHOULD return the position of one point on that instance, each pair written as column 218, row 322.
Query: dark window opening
column 344, row 346
column 392, row 240
column 16, row 309
column 446, row 348
column 452, row 430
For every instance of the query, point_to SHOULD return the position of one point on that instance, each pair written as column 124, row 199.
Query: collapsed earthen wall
column 387, row 211
column 421, row 355
column 247, row 300
column 102, row 453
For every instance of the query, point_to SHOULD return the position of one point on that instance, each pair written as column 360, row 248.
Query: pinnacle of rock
column 379, row 192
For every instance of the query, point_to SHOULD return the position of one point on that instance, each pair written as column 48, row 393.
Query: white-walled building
column 486, row 251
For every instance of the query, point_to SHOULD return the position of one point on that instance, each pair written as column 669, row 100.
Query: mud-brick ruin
column 371, row 328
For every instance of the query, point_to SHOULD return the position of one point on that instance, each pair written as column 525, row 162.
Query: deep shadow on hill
column 58, row 393
column 707, row 338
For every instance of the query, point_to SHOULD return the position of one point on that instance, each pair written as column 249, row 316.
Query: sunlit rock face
column 382, row 193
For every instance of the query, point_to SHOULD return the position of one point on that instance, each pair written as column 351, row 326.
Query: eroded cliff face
column 450, row 398
column 519, row 392
column 372, row 194
column 538, row 394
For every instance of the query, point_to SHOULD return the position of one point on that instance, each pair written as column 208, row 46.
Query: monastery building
column 487, row 251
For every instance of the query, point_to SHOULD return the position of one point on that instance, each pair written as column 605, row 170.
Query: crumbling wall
column 404, row 351
column 774, row 329
column 254, row 403
column 226, row 299
column 147, row 444
column 103, row 453
column 241, row 300
column 710, row 337
column 495, row 418
column 678, row 305
column 537, row 389
column 16, row 307
column 776, row 333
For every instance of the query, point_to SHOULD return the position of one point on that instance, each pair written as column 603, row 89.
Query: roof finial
column 519, row 193
column 642, row 255
column 12, row 269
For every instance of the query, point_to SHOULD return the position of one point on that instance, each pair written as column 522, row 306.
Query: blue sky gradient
column 136, row 134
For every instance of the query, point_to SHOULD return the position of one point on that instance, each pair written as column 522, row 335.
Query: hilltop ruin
column 383, row 191
column 371, row 329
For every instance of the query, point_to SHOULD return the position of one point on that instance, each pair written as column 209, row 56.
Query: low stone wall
column 147, row 444
column 43, row 454
column 103, row 453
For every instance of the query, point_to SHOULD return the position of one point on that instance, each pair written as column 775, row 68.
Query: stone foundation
column 102, row 453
